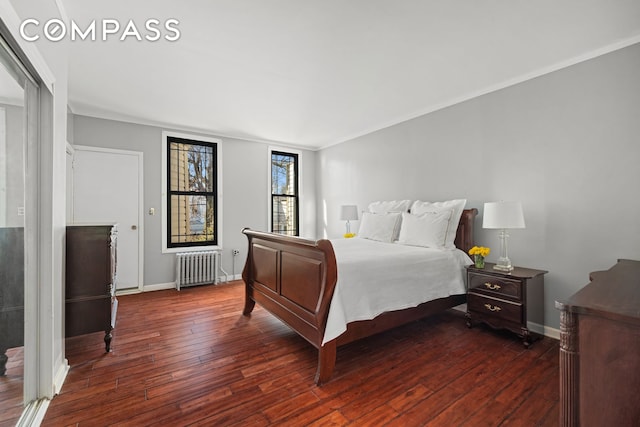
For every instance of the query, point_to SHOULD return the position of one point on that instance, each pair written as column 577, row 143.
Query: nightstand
column 506, row 300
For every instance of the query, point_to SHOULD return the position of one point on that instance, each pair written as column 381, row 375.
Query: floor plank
column 191, row 358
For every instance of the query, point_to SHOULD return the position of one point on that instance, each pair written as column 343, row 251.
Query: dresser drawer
column 496, row 286
column 488, row 306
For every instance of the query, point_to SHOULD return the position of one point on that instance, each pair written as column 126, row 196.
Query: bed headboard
column 464, row 236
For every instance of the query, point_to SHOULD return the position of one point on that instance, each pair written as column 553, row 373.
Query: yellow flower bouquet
column 479, row 253
column 480, row 250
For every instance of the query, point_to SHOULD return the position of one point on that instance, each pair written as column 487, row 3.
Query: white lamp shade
column 349, row 212
column 503, row 215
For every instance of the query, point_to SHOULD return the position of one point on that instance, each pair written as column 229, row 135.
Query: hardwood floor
column 191, row 358
column 11, row 388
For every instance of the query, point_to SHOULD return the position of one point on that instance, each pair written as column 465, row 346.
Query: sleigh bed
column 295, row 280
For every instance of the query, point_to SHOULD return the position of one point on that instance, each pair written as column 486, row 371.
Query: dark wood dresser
column 90, row 302
column 600, row 350
column 11, row 291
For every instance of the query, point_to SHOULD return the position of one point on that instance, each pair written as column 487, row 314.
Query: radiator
column 197, row 268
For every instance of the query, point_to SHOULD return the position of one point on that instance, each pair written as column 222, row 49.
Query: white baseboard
column 129, row 291
column 159, row 287
column 461, row 307
column 547, row 331
column 226, row 278
column 552, row 333
column 172, row 285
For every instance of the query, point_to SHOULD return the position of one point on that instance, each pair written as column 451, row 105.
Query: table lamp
column 348, row 213
column 503, row 216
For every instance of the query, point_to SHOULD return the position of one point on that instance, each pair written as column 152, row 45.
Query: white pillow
column 457, row 205
column 428, row 229
column 390, row 206
column 381, row 227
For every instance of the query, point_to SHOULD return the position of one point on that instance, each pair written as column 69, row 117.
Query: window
column 192, row 208
column 284, row 193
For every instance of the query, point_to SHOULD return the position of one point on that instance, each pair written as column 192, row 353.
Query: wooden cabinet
column 506, row 300
column 11, row 291
column 600, row 350
column 90, row 303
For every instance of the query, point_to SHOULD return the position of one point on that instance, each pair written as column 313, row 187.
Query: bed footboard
column 294, row 279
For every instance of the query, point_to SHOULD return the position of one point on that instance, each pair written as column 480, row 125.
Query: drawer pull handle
column 492, row 307
column 492, row 286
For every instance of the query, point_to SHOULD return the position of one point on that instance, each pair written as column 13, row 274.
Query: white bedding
column 403, row 276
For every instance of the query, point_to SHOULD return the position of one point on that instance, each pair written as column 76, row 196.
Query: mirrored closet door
column 18, row 120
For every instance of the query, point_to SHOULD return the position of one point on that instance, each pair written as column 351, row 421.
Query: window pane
column 191, row 167
column 178, row 155
column 192, row 219
column 200, row 168
column 284, row 215
column 283, row 174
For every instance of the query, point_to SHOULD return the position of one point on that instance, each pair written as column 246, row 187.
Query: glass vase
column 478, row 261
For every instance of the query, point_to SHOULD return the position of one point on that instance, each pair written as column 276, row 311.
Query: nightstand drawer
column 494, row 307
column 497, row 286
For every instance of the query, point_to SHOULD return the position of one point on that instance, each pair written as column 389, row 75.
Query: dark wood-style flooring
column 191, row 358
column 11, row 388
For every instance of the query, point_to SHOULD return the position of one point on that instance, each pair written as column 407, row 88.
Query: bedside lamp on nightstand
column 348, row 213
column 503, row 216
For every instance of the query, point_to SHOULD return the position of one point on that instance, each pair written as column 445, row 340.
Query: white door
column 107, row 187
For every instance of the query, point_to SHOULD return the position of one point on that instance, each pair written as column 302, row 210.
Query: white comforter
column 402, row 276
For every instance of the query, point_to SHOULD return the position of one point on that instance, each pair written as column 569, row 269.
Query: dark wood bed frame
column 294, row 279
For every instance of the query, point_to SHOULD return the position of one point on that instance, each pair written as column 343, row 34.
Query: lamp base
column 503, row 264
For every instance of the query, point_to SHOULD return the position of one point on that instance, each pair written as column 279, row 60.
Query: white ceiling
column 316, row 73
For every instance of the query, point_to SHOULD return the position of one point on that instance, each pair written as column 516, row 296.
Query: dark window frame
column 295, row 197
column 214, row 194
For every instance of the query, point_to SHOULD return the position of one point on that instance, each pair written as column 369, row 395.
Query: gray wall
column 566, row 144
column 244, row 192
